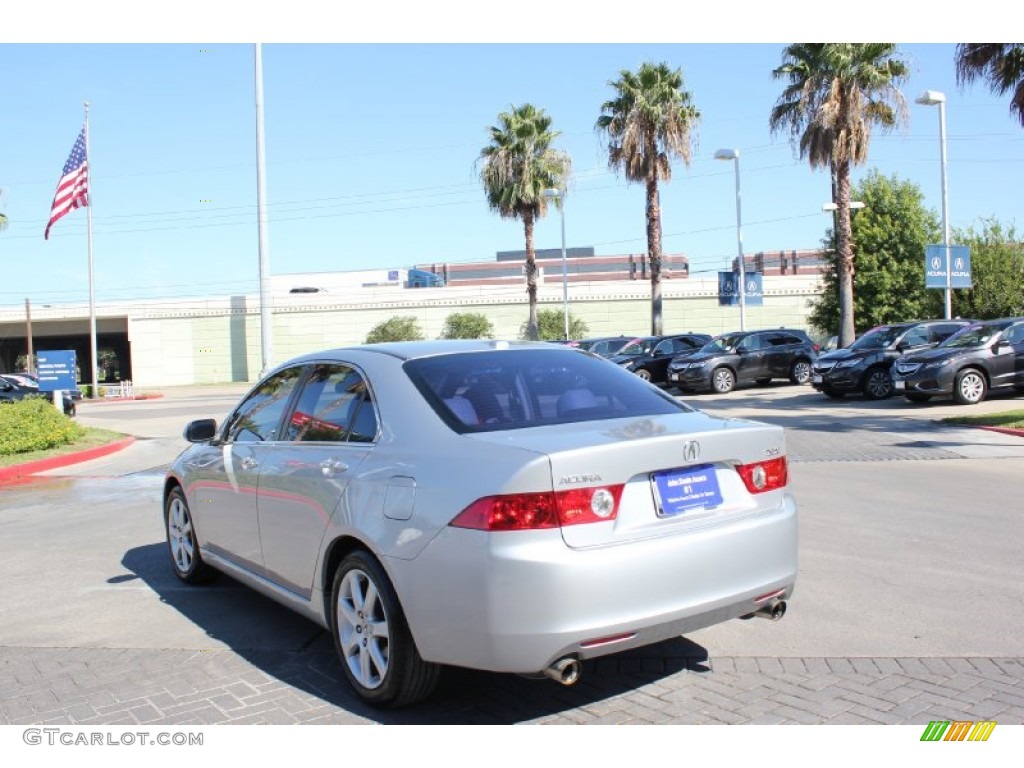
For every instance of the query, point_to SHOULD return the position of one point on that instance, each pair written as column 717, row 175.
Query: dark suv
column 745, row 356
column 648, row 357
column 988, row 355
column 864, row 365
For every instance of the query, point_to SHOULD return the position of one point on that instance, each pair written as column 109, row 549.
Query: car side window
column 1015, row 334
column 258, row 418
column 333, row 406
column 752, row 343
column 915, row 337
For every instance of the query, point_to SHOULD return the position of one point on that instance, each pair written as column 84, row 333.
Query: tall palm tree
column 835, row 94
column 645, row 127
column 515, row 168
column 1001, row 64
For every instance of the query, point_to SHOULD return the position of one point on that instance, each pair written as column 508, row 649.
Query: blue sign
column 56, row 370
column 935, row 266
column 729, row 291
column 689, row 488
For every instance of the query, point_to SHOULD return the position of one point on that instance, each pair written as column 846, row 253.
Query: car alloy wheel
column 722, row 380
column 182, row 543
column 800, row 373
column 877, row 384
column 969, row 387
column 377, row 652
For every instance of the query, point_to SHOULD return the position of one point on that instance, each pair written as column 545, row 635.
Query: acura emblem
column 691, row 450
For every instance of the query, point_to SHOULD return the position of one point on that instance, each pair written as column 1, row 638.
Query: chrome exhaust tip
column 566, row 671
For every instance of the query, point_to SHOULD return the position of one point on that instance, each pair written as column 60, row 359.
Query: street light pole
column 559, row 195
column 734, row 154
column 931, row 99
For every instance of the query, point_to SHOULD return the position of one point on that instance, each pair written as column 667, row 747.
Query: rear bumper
column 516, row 602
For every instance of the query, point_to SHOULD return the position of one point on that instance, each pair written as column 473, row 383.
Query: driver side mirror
column 201, row 431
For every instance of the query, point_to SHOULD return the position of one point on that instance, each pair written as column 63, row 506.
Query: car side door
column 1005, row 365
column 226, row 472
column 751, row 364
column 329, row 432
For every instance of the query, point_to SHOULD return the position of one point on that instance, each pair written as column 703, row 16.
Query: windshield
column 636, row 347
column 878, row 338
column 974, row 336
column 725, row 343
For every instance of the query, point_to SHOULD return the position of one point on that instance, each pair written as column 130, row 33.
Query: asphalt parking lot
column 907, row 609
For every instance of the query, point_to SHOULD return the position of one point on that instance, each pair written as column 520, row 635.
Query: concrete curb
column 1004, row 430
column 20, row 471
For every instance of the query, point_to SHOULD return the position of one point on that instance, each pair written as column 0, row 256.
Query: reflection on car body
column 513, row 507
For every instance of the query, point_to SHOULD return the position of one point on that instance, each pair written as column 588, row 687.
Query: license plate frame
column 685, row 489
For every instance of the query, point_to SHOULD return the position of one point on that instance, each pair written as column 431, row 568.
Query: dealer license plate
column 687, row 488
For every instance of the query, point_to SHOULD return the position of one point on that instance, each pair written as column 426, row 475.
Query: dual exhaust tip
column 568, row 669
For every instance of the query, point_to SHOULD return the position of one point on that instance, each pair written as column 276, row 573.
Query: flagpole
column 92, row 291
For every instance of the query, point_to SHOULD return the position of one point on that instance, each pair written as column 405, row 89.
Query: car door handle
column 248, row 463
column 332, row 466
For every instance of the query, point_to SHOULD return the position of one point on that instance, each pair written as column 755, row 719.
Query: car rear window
column 514, row 389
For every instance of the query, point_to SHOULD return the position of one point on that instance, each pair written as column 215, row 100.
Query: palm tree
column 646, row 126
column 1001, row 64
column 835, row 94
column 515, row 168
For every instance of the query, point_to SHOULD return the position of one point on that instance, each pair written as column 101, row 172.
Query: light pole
column 931, row 99
column 559, row 195
column 734, row 154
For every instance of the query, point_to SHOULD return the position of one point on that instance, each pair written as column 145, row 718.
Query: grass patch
column 93, row 438
column 1008, row 419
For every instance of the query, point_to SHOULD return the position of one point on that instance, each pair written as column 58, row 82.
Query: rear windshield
column 513, row 389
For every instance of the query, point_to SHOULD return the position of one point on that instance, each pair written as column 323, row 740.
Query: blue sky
column 371, row 148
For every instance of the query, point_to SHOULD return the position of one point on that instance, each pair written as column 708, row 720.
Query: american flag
column 73, row 187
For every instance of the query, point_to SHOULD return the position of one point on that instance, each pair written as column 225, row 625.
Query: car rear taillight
column 764, row 476
column 533, row 511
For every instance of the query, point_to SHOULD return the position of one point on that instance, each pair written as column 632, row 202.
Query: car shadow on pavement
column 300, row 654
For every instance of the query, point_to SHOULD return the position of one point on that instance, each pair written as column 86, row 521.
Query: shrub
column 33, row 424
column 551, row 326
column 467, row 325
column 395, row 329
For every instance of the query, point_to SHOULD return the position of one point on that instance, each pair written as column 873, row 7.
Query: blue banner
column 935, row 266
column 729, row 289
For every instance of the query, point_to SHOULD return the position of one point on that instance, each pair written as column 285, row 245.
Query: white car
column 501, row 506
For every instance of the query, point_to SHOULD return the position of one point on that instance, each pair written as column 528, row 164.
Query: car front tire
column 182, row 543
column 644, row 374
column 969, row 387
column 373, row 641
column 723, row 380
column 877, row 384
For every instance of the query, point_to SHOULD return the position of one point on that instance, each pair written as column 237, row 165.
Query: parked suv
column 745, row 356
column 649, row 357
column 864, row 365
column 981, row 357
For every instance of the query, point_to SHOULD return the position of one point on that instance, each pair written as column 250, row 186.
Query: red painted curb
column 1005, row 430
column 32, row 467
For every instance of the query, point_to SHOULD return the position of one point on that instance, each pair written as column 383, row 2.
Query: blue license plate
column 680, row 490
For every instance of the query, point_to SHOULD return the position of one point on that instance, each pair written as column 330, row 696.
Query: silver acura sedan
column 501, row 506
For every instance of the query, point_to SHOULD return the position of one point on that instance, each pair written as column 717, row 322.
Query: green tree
column 1000, row 64
column 889, row 235
column 835, row 93
column 551, row 324
column 645, row 126
column 395, row 329
column 997, row 273
column 467, row 325
column 515, row 169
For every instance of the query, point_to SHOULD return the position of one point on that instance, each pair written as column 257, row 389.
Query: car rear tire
column 877, row 384
column 723, row 380
column 969, row 387
column 644, row 374
column 914, row 397
column 182, row 543
column 800, row 372
column 373, row 641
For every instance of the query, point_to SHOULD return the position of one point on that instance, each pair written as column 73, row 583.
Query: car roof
column 408, row 350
